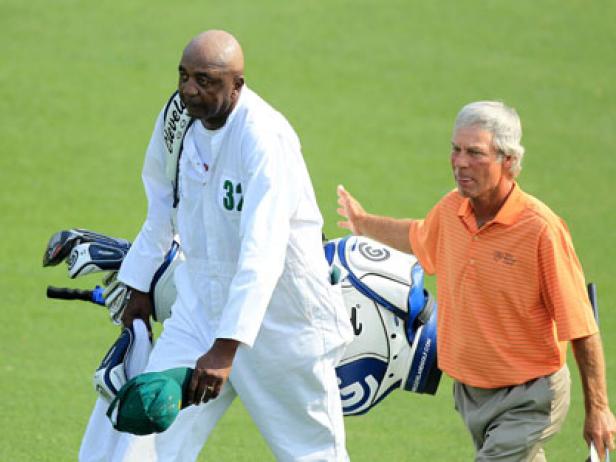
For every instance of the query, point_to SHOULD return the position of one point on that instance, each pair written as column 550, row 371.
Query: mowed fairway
column 372, row 88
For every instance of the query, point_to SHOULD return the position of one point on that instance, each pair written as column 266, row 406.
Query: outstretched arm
column 600, row 424
column 390, row 231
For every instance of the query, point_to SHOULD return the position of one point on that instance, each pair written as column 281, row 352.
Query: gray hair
column 500, row 120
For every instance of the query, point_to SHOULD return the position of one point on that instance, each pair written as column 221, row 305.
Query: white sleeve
column 270, row 199
column 154, row 240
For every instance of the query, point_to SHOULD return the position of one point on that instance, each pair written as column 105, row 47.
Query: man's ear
column 238, row 82
column 507, row 162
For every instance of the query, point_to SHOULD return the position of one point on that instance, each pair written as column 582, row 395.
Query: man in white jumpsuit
column 255, row 313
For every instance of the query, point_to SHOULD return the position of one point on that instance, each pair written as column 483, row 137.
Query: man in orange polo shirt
column 511, row 295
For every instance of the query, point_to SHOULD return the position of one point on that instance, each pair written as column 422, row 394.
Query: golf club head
column 92, row 257
column 59, row 246
column 62, row 243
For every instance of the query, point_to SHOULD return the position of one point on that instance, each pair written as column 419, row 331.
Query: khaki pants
column 512, row 424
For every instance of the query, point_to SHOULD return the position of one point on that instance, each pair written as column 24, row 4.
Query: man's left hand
column 600, row 424
column 212, row 371
column 600, row 427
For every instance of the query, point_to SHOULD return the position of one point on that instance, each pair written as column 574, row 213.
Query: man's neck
column 214, row 123
column 485, row 208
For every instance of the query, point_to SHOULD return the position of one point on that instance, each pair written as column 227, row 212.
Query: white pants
column 100, row 439
column 295, row 404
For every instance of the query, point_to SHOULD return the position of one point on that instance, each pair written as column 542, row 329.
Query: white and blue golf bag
column 393, row 319
column 393, row 316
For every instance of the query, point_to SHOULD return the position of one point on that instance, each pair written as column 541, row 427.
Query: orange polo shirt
column 510, row 295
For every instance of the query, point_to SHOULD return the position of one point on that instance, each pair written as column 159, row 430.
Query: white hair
column 500, row 120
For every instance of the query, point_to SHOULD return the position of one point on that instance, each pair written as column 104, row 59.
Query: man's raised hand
column 351, row 210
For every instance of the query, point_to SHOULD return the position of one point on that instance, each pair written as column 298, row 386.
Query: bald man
column 255, row 313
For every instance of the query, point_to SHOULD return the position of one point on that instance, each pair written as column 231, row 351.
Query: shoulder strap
column 383, row 275
column 176, row 122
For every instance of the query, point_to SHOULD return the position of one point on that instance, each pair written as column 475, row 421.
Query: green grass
column 371, row 87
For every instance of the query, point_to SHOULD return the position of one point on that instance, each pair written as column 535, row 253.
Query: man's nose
column 189, row 88
column 459, row 159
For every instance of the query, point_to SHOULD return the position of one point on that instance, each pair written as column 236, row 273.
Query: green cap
column 150, row 402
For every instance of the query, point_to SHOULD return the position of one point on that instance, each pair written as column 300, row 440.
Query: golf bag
column 393, row 316
column 393, row 319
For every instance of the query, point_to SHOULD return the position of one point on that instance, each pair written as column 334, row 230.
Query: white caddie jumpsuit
column 255, row 272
